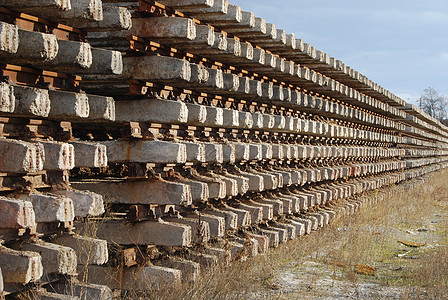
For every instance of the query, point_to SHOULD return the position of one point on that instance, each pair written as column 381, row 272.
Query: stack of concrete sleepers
column 43, row 58
column 211, row 134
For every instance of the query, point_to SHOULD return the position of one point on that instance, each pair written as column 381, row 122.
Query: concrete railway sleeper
column 142, row 142
column 261, row 223
column 266, row 35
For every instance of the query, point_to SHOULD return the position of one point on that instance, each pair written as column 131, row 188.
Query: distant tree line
column 434, row 104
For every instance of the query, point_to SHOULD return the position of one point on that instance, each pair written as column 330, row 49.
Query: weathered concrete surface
column 105, row 62
column 241, row 151
column 114, row 18
column 69, row 105
column 271, row 181
column 197, row 114
column 86, row 203
column 244, row 216
column 307, row 224
column 216, row 223
column 263, row 242
column 146, row 151
column 84, row 9
column 83, row 290
column 231, row 83
column 290, row 230
column 9, row 38
column 20, row 267
column 88, row 250
column 266, row 151
column 7, row 98
column 259, row 56
column 101, row 108
column 157, row 68
column 267, row 209
column 279, row 122
column 245, row 120
column 268, row 121
column 242, row 182
column 32, row 47
column 151, row 110
column 233, row 50
column 219, row 44
column 282, row 233
column 214, row 82
column 135, row 278
column 152, row 191
column 61, row 156
column 214, row 116
column 71, row 57
column 90, row 154
column 59, row 10
column 45, row 295
column 238, row 251
column 286, row 176
column 206, row 260
column 190, row 269
column 50, row 208
column 199, row 190
column 233, row 15
column 273, row 236
column 1, row 283
column 258, row 29
column 231, row 218
column 300, row 227
column 223, row 255
column 28, row 157
column 16, row 213
column 247, row 21
column 200, row 229
column 309, row 199
column 256, row 212
column 216, row 187
column 250, row 246
column 287, row 204
column 205, row 38
column 256, row 182
column 218, row 7
column 300, row 202
column 31, row 101
column 188, row 3
column 55, row 258
column 228, row 152
column 255, row 152
column 159, row 233
column 277, row 151
column 255, row 89
column 164, row 29
column 195, row 151
column 277, row 205
column 213, row 153
column 231, row 185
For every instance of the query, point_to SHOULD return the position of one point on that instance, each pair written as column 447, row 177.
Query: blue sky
column 401, row 45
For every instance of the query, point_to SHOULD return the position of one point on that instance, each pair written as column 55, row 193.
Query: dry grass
column 368, row 243
column 368, row 238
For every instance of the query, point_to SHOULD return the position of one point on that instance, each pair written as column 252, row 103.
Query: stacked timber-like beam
column 212, row 134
